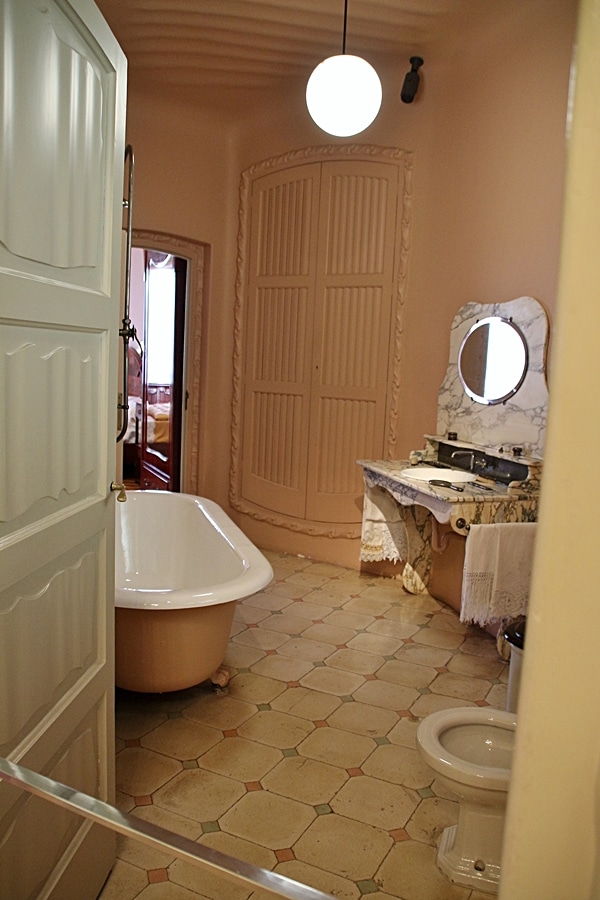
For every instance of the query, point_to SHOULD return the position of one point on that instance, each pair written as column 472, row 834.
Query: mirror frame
column 468, row 390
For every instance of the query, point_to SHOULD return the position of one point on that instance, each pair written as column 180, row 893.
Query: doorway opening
column 152, row 446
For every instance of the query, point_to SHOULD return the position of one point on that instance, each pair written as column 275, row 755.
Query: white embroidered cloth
column 383, row 531
column 497, row 571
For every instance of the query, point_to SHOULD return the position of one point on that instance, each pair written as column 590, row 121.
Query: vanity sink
column 431, row 473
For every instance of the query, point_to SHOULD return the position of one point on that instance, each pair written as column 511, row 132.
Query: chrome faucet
column 476, row 461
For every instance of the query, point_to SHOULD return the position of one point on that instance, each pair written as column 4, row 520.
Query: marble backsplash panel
column 521, row 420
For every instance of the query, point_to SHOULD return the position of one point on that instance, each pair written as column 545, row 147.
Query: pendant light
column 343, row 94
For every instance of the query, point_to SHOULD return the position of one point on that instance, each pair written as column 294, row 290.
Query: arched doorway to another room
column 160, row 449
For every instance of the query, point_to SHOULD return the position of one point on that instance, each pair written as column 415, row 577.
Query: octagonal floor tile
column 238, row 758
column 182, row 739
column 199, row 795
column 379, row 803
column 410, row 872
column 268, row 819
column 307, row 780
column 338, row 748
column 276, row 729
column 348, row 848
column 143, row 772
column 223, row 712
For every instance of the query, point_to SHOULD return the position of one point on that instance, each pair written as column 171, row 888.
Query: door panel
column 61, row 184
column 52, row 379
column 283, row 242
column 354, row 302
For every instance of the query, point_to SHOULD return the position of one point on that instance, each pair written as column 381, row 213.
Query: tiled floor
column 307, row 764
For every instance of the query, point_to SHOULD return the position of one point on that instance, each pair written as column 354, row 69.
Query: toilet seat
column 495, row 727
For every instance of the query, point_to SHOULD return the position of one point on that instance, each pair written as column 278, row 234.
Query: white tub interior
column 178, row 550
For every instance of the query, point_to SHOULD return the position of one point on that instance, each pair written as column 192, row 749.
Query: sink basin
column 431, row 473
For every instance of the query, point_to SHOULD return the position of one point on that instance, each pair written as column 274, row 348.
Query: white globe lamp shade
column 343, row 95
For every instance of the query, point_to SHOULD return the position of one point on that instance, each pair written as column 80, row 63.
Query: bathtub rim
column 257, row 571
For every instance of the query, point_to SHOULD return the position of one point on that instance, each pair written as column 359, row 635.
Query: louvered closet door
column 353, row 302
column 284, row 219
column 319, row 325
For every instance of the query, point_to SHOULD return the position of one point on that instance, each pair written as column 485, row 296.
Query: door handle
column 117, row 486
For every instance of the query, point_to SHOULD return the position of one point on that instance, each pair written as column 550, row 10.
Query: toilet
column 470, row 749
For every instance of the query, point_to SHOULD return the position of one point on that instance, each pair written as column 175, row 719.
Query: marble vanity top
column 480, row 502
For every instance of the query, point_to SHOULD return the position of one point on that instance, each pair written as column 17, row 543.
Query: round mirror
column 492, row 360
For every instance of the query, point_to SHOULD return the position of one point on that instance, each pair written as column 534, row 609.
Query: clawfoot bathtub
column 180, row 565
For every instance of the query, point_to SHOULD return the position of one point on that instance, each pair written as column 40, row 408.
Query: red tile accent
column 341, row 646
column 370, row 677
column 253, row 625
column 320, row 723
column 441, row 669
column 143, row 800
column 408, row 641
column 293, row 684
column 481, row 703
column 379, row 617
column 253, row 786
column 134, row 742
column 155, row 876
column 230, row 732
column 354, row 773
column 271, row 652
column 404, row 713
column 285, row 855
column 399, row 834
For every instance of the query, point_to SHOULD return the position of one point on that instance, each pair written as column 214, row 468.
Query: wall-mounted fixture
column 343, row 94
column 411, row 81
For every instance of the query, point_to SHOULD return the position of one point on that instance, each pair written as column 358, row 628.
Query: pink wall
column 488, row 133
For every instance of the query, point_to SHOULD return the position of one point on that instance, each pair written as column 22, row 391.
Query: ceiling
column 217, row 48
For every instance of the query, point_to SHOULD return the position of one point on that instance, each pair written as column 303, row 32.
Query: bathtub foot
column 220, row 678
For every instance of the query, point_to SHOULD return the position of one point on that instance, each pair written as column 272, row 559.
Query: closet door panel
column 353, row 307
column 284, row 211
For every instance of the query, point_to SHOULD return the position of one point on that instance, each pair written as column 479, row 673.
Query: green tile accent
column 425, row 792
column 424, row 690
column 381, row 740
column 318, row 663
column 190, row 764
column 347, row 699
column 264, row 706
column 209, row 827
column 243, row 671
column 323, row 809
column 367, row 887
column 291, row 751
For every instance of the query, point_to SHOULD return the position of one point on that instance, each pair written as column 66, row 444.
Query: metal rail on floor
column 154, row 836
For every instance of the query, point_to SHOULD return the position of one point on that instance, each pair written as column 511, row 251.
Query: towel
column 497, row 571
column 383, row 531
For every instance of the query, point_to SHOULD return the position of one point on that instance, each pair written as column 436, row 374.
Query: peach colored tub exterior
column 180, row 565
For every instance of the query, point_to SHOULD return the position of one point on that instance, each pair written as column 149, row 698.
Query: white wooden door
column 61, row 189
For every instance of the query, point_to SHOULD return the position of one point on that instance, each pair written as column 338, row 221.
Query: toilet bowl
column 470, row 750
